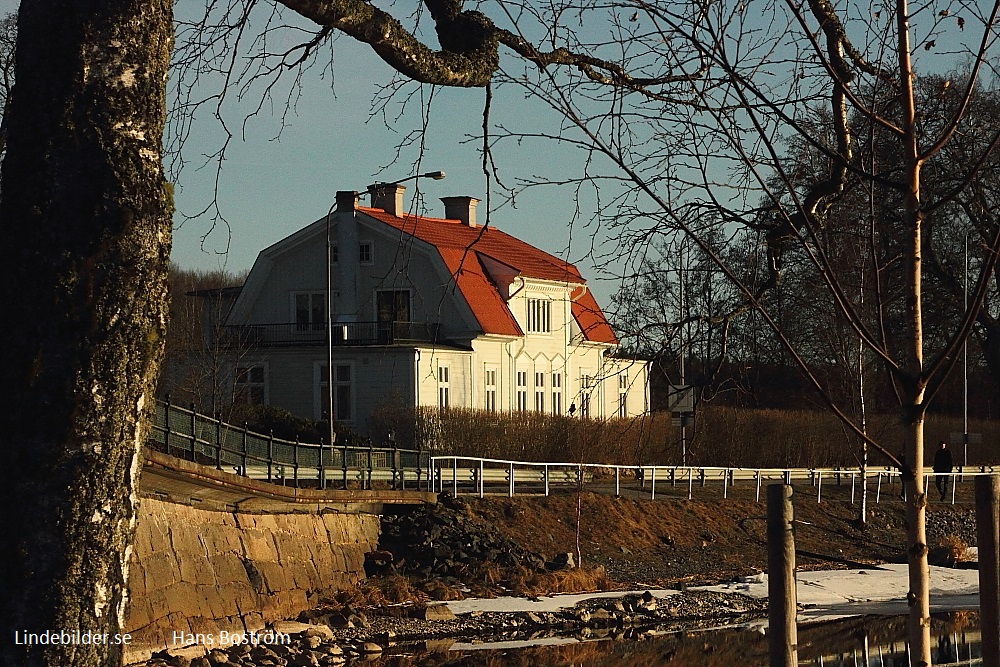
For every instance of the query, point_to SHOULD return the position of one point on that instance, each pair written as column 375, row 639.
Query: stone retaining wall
column 196, row 571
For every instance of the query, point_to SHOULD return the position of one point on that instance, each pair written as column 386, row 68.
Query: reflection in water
column 873, row 641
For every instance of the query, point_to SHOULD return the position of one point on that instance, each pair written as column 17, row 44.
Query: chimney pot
column 388, row 197
column 462, row 209
column 347, row 200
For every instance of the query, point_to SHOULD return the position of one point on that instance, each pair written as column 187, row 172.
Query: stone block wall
column 196, row 571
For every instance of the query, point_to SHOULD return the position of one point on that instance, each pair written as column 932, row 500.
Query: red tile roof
column 462, row 248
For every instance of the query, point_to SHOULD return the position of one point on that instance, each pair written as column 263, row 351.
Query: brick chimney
column 462, row 209
column 347, row 200
column 388, row 197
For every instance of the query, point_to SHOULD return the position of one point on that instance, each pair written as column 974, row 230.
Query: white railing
column 465, row 474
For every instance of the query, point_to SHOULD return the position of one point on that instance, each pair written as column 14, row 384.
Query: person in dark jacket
column 942, row 466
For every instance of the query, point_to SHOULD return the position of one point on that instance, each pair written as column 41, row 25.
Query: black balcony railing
column 344, row 333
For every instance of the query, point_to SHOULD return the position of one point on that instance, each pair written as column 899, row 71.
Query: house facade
column 422, row 312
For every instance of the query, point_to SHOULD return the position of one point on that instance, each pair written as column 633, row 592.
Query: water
column 873, row 641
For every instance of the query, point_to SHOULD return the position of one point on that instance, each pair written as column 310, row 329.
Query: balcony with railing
column 344, row 333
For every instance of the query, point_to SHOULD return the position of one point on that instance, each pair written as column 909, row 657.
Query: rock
column 370, row 648
column 290, row 627
column 218, row 657
column 322, row 632
column 433, row 612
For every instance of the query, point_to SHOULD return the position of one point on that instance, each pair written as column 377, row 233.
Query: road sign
column 956, row 438
column 680, row 398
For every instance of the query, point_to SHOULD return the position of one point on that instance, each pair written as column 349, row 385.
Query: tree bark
column 85, row 218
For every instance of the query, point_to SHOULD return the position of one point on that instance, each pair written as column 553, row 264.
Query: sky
column 277, row 180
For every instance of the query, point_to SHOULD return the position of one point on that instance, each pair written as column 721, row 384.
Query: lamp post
column 434, row 175
column 965, row 359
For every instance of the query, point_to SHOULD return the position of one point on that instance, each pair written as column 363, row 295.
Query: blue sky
column 272, row 185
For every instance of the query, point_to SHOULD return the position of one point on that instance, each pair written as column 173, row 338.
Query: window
column 250, row 385
column 539, row 392
column 556, row 394
column 365, row 252
column 522, row 391
column 310, row 311
column 586, row 386
column 334, row 254
column 393, row 306
column 444, row 386
column 343, row 401
column 623, row 395
column 539, row 316
column 490, row 394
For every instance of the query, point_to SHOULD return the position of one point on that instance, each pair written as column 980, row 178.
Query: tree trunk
column 918, row 597
column 85, row 219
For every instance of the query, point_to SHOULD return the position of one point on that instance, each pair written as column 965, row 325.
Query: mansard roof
column 466, row 251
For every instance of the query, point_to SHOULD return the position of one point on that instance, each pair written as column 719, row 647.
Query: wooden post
column 988, row 538
column 782, row 633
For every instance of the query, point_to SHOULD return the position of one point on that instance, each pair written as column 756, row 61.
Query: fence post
column 395, row 461
column 782, row 633
column 166, row 427
column 701, row 477
column 320, row 467
column 511, row 490
column 481, row 490
column 652, row 483
column 546, row 472
column 295, row 463
column 370, row 466
column 579, row 476
column 758, row 485
column 194, row 433
column 454, row 476
column 988, row 538
column 819, row 486
column 725, row 484
column 690, row 482
column 270, row 454
column 218, row 441
column 343, row 463
column 243, row 454
column 618, row 482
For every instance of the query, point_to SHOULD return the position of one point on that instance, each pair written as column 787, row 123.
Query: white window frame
column 522, row 391
column 444, row 385
column 241, row 384
column 623, row 395
column 368, row 246
column 557, row 393
column 350, row 384
column 540, row 391
column 538, row 318
column 586, row 388
column 490, row 387
column 312, row 295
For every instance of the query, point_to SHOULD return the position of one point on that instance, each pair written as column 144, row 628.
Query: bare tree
column 713, row 154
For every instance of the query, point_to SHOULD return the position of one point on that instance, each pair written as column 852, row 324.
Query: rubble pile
column 445, row 542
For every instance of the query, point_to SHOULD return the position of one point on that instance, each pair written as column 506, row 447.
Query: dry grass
column 722, row 436
column 573, row 580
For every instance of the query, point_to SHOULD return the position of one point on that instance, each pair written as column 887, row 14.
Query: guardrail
column 463, row 474
column 188, row 434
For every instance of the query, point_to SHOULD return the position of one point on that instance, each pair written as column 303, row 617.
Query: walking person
column 942, row 467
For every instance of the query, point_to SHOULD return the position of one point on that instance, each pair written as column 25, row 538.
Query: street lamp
column 434, row 175
column 965, row 358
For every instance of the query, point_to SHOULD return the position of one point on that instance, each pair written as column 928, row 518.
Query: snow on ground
column 825, row 594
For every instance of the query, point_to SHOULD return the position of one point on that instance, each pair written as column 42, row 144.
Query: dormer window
column 539, row 316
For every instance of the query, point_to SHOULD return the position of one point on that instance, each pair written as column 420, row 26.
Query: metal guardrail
column 481, row 475
column 188, row 434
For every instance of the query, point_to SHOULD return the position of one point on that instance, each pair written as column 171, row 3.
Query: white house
column 424, row 312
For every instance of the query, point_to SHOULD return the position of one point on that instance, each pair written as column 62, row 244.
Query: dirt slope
column 676, row 540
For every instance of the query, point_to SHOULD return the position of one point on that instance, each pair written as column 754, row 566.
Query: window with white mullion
column 539, row 392
column 539, row 316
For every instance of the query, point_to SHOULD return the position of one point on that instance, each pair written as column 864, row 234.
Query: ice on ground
column 547, row 603
column 826, row 594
